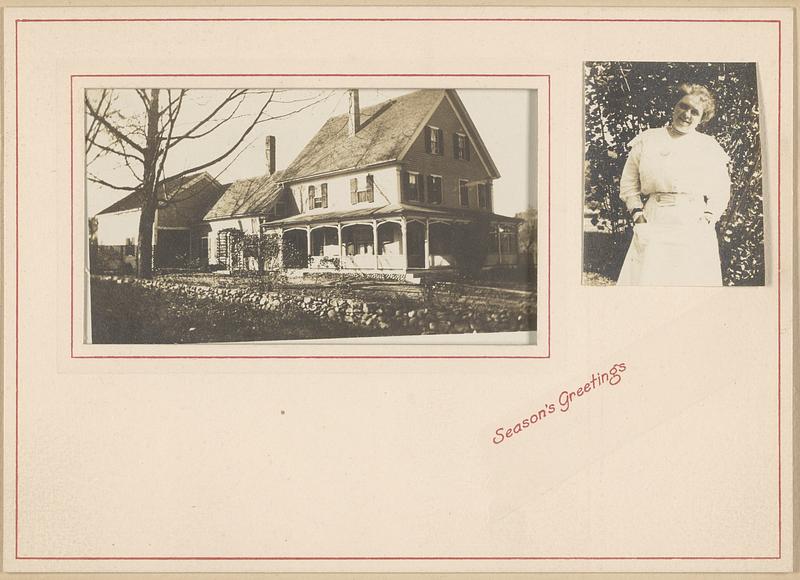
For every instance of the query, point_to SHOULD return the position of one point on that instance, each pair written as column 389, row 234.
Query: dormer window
column 434, row 140
column 460, row 146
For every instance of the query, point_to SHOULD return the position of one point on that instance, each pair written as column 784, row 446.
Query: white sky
column 502, row 118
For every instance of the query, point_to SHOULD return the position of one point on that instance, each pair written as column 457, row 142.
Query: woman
column 676, row 186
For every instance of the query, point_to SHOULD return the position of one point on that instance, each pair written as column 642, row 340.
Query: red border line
column 319, row 357
column 18, row 557
column 16, row 291
column 780, row 504
column 390, row 19
column 368, row 558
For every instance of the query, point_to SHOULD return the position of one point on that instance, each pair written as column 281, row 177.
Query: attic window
column 434, row 140
column 460, row 147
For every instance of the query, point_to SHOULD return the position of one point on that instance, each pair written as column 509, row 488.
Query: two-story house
column 380, row 189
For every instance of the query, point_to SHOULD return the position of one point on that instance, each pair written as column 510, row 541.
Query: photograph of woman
column 670, row 207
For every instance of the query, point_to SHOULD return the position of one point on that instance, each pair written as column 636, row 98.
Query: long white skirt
column 675, row 247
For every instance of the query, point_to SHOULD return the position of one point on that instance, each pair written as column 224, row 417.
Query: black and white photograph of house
column 293, row 214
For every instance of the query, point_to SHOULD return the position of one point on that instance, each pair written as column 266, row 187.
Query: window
column 434, row 189
column 508, row 243
column 434, row 140
column 491, row 241
column 460, row 146
column 277, row 210
column 362, row 195
column 317, row 199
column 482, row 195
column 463, row 192
column 489, row 195
column 411, row 186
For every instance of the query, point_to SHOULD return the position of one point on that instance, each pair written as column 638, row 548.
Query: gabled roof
column 385, row 134
column 174, row 190
column 247, row 197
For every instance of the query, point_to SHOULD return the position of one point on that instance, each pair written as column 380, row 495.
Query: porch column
column 308, row 246
column 499, row 244
column 280, row 249
column 427, row 244
column 339, row 233
column 403, row 243
column 375, row 241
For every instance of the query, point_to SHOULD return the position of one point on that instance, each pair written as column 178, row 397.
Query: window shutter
column 427, row 139
column 404, row 185
column 354, row 190
column 455, row 145
column 489, row 195
column 421, row 179
column 441, row 141
column 370, row 188
column 324, row 187
column 466, row 148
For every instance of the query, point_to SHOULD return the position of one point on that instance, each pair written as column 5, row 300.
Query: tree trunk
column 144, row 252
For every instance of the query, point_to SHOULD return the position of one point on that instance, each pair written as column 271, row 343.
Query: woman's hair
column 709, row 103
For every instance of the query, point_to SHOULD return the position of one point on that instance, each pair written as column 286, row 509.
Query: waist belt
column 669, row 197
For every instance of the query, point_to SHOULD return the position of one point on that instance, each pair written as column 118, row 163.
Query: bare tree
column 142, row 140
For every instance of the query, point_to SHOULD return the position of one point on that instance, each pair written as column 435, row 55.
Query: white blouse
column 691, row 164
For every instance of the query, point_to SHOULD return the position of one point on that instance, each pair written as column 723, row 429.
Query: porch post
column 280, row 248
column 308, row 246
column 403, row 242
column 375, row 241
column 499, row 244
column 427, row 243
column 339, row 234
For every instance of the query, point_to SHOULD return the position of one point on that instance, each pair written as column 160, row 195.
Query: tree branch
column 111, row 128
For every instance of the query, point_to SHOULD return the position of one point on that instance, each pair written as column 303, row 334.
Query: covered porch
column 398, row 243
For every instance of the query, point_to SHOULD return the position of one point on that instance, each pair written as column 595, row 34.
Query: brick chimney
column 270, row 151
column 354, row 118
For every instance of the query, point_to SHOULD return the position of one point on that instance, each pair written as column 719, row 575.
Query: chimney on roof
column 270, row 151
column 354, row 118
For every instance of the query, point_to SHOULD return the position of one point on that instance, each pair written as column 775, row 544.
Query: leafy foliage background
column 623, row 99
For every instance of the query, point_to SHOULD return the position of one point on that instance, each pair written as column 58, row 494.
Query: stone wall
column 393, row 318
